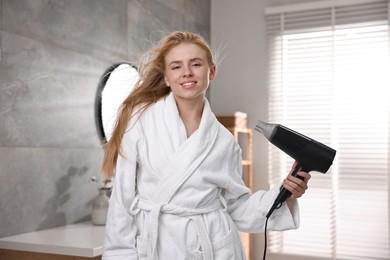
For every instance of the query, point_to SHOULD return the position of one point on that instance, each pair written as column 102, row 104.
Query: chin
column 190, row 96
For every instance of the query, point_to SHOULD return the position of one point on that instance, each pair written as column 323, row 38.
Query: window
column 329, row 79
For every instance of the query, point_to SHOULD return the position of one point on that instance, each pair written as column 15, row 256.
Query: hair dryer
column 310, row 154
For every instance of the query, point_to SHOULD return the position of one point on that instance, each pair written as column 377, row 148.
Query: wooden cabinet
column 244, row 138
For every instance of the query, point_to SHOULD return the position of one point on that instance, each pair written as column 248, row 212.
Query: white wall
column 240, row 85
column 238, row 27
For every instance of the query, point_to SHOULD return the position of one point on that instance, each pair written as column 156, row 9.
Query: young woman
column 178, row 192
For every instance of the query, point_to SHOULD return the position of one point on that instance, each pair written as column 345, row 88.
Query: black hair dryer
column 310, row 154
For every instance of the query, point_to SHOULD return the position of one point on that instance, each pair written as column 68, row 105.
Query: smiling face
column 187, row 72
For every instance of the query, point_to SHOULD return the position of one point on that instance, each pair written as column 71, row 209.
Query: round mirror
column 115, row 85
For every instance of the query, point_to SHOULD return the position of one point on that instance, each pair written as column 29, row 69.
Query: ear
column 213, row 71
column 166, row 81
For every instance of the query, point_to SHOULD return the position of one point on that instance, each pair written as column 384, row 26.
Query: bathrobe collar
column 189, row 152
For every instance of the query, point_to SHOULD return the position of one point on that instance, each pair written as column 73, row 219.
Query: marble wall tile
column 47, row 95
column 46, row 187
column 176, row 5
column 150, row 20
column 1, row 23
column 194, row 11
column 90, row 27
column 53, row 53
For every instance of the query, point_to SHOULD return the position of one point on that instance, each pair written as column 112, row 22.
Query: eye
column 197, row 64
column 175, row 67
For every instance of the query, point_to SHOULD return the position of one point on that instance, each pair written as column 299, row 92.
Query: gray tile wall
column 52, row 54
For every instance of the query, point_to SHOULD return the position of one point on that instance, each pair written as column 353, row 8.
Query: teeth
column 188, row 84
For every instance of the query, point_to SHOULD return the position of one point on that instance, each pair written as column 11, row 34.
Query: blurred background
column 54, row 52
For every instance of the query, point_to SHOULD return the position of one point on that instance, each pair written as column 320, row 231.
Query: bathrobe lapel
column 187, row 155
column 190, row 153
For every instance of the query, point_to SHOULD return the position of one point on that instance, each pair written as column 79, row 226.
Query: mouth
column 188, row 84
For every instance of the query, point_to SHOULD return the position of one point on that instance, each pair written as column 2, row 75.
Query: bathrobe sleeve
column 120, row 238
column 248, row 210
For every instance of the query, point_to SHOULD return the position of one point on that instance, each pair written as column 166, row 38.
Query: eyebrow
column 191, row 60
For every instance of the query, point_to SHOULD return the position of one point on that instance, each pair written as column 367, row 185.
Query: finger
column 295, row 193
column 298, row 181
column 306, row 176
column 295, row 185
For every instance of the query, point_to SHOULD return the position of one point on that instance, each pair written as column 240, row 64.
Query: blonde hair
column 150, row 88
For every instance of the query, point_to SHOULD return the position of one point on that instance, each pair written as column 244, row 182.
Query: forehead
column 184, row 52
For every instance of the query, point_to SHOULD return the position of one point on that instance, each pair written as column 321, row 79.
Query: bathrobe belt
column 156, row 209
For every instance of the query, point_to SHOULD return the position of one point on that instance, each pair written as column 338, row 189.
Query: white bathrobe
column 183, row 198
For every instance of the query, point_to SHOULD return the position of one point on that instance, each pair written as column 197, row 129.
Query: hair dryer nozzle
column 268, row 130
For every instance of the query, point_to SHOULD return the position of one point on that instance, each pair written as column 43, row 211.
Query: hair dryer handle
column 284, row 193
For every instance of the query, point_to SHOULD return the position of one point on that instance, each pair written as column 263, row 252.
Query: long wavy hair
column 149, row 89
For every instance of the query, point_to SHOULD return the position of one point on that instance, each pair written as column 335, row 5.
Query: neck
column 191, row 114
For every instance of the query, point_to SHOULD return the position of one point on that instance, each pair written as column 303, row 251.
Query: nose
column 187, row 71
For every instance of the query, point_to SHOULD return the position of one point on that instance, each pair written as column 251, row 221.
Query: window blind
column 329, row 79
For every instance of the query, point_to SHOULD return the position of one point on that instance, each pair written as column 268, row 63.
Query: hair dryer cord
column 265, row 238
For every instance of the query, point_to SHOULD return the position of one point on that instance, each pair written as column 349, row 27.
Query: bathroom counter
column 81, row 240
